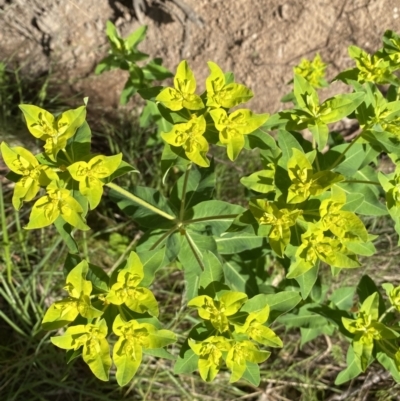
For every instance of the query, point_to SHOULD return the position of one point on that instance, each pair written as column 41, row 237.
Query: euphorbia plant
column 304, row 211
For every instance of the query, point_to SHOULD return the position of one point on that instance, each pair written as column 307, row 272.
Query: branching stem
column 194, row 250
column 139, row 201
column 162, row 238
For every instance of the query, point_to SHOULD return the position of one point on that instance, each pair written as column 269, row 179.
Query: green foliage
column 302, row 213
column 125, row 55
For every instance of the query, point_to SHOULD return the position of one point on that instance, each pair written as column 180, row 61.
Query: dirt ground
column 259, row 40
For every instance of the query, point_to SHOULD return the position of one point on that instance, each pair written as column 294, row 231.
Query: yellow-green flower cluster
column 234, row 343
column 201, row 116
column 122, row 289
column 312, row 70
column 56, row 169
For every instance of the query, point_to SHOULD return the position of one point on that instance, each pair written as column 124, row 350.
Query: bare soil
column 259, row 40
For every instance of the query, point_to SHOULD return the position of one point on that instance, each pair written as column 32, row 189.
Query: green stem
column 341, row 156
column 206, row 112
column 193, row 249
column 67, row 156
column 311, row 213
column 6, row 243
column 122, row 257
column 386, row 313
column 210, row 218
column 122, row 313
column 185, row 182
column 362, row 182
column 139, row 201
column 162, row 238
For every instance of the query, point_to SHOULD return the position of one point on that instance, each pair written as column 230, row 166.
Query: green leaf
column 307, row 280
column 361, row 248
column 161, row 338
column 340, row 106
column 212, row 276
column 107, row 63
column 234, row 243
column 125, row 364
column 128, row 91
column 187, row 361
column 343, row 297
column 136, row 37
column 334, row 316
column 320, row 132
column 287, row 142
column 122, row 169
column 389, row 364
column 367, row 287
column 99, row 363
column 308, row 335
column 347, row 76
column 279, row 303
column 305, row 318
column 363, row 352
column 160, row 353
column 78, row 147
column 252, row 373
column 154, row 240
column 305, row 94
column 371, row 205
column 152, row 262
column 173, row 117
column 65, row 231
column 382, row 141
column 191, row 257
column 265, row 142
column 349, row 163
column 353, row 202
column 212, row 216
column 172, row 156
column 352, row 370
column 242, row 276
column 112, row 33
column 154, row 71
column 99, row 279
column 261, row 181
